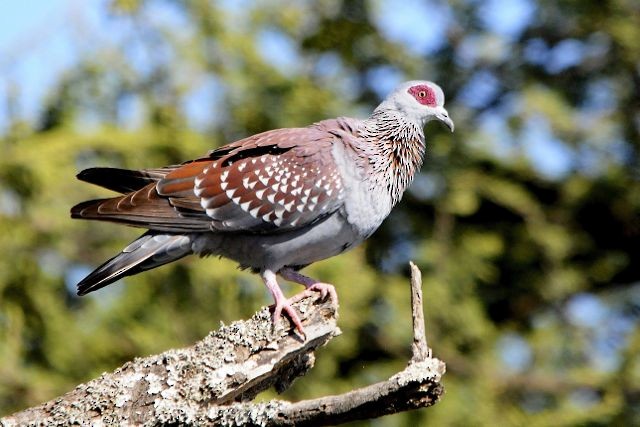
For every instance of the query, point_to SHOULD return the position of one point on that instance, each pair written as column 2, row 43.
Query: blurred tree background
column 524, row 221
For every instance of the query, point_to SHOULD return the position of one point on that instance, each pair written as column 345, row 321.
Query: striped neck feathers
column 395, row 151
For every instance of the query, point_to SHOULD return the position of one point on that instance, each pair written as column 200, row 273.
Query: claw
column 285, row 307
column 311, row 285
column 282, row 304
column 325, row 290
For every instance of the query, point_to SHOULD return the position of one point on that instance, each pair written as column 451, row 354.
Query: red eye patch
column 423, row 94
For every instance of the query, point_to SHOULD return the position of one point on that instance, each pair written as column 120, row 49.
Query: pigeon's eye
column 423, row 94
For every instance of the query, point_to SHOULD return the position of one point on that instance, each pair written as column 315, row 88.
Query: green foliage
column 508, row 250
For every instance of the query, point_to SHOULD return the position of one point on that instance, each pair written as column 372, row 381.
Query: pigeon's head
column 419, row 100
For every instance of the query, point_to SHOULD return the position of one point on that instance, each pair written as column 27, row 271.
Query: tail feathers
column 149, row 251
column 161, row 216
column 121, row 180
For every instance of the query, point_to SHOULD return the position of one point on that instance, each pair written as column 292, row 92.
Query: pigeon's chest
column 367, row 202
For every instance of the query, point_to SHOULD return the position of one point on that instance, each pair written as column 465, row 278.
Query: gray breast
column 366, row 204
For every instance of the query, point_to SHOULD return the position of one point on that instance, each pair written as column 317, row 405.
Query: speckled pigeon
column 273, row 202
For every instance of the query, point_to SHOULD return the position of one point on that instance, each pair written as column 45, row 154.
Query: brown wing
column 277, row 180
column 280, row 179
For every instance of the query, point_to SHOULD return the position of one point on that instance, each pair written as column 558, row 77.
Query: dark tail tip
column 116, row 179
column 100, row 277
column 148, row 251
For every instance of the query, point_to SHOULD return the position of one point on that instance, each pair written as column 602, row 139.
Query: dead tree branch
column 213, row 382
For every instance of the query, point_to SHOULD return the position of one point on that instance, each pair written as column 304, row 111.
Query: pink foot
column 309, row 283
column 282, row 304
column 324, row 289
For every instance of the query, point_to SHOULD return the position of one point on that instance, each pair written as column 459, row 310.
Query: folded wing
column 275, row 181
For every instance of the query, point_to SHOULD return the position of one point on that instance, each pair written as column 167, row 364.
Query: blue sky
column 38, row 39
column 37, row 44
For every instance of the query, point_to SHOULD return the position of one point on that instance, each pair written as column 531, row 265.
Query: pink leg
column 310, row 285
column 281, row 302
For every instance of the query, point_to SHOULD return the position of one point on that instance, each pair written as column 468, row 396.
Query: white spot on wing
column 288, row 206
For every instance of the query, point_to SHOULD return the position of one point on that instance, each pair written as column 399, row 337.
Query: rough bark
column 212, row 382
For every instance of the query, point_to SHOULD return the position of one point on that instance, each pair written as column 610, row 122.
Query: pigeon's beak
column 443, row 116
